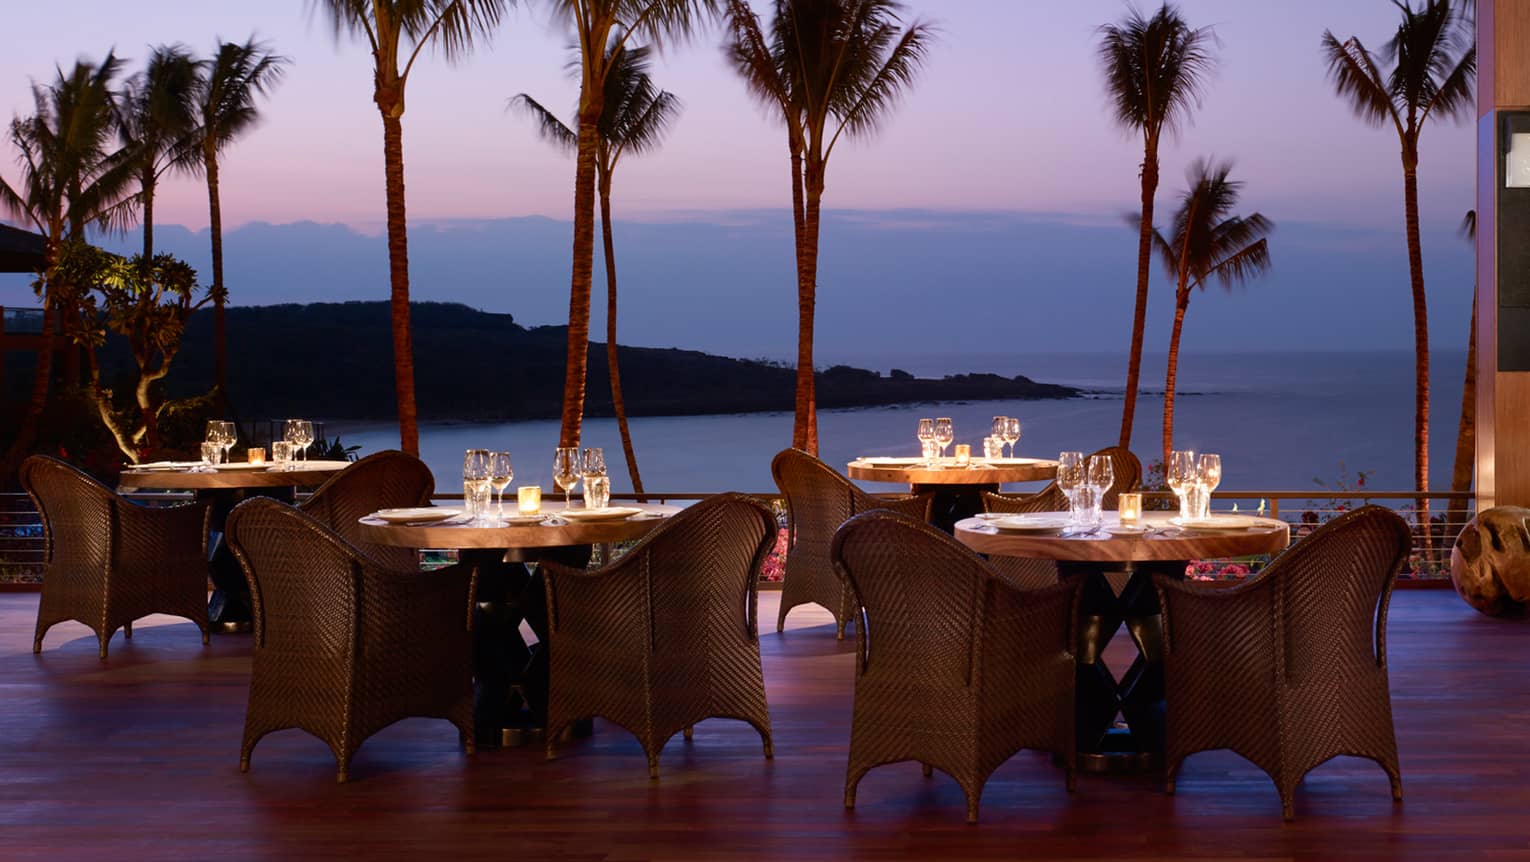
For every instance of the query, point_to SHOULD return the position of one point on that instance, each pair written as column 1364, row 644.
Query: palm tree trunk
column 1181, row 304
column 1466, row 432
column 398, row 277
column 577, row 363
column 215, row 228
column 805, row 423
column 618, row 404
column 1420, row 345
column 148, row 216
column 1139, row 315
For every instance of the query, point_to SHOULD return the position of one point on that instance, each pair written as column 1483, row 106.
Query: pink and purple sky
column 1010, row 177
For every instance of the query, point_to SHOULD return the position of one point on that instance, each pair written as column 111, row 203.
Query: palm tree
column 1155, row 72
column 1207, row 241
column 1466, row 431
column 835, row 69
column 1432, row 76
column 601, row 28
column 396, row 32
column 635, row 118
column 227, row 85
column 71, row 178
column 156, row 117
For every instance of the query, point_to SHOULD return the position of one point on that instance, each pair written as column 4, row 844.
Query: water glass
column 1070, row 479
column 993, row 447
column 996, row 428
column 212, row 454
column 597, row 491
column 281, row 455
column 475, row 484
column 930, row 451
column 927, row 440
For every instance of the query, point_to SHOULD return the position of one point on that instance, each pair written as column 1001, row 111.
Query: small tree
column 145, row 302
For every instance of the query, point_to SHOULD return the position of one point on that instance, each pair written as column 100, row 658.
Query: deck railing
column 22, row 549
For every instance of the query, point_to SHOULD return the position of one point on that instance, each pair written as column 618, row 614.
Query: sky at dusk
column 1010, row 120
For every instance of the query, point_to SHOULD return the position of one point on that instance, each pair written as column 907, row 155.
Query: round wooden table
column 229, row 606
column 958, row 491
column 510, row 676
column 1138, row 695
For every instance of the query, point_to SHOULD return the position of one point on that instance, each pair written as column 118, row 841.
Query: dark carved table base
column 1137, row 696
column 228, row 608
column 953, row 503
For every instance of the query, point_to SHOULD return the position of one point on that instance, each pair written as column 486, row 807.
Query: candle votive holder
column 528, row 499
column 1129, row 507
column 963, row 455
column 256, row 455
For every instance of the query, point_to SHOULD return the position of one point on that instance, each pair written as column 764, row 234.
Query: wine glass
column 299, row 432
column 1011, row 433
column 566, row 471
column 944, row 434
column 997, row 430
column 1208, row 475
column 1070, row 477
column 1102, row 474
column 926, row 435
column 500, row 474
column 222, row 433
column 1180, row 475
column 476, row 475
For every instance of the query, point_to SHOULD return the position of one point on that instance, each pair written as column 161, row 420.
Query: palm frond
column 877, row 98
column 1356, row 78
column 1156, row 69
column 1455, row 98
column 228, row 86
column 549, row 127
column 643, row 133
column 1241, row 266
column 1468, row 226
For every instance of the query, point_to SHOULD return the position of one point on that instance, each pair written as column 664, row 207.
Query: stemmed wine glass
column 476, row 476
column 998, row 429
column 500, row 474
column 926, row 438
column 1180, row 474
column 1102, row 474
column 1011, row 433
column 1070, row 477
column 944, row 434
column 299, row 432
column 220, row 434
column 566, row 471
column 1208, row 476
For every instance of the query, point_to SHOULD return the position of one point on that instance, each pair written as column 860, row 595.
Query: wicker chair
column 963, row 668
column 1289, row 669
column 385, row 480
column 1035, row 573
column 344, row 647
column 111, row 562
column 667, row 635
column 818, row 500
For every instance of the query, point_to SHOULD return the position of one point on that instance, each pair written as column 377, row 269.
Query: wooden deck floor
column 136, row 758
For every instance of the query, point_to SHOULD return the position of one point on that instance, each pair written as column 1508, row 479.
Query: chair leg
column 653, row 766
column 127, row 631
column 1397, row 794
column 104, row 638
column 1070, row 780
column 927, row 769
column 690, row 732
column 839, row 630
column 852, row 780
column 973, row 797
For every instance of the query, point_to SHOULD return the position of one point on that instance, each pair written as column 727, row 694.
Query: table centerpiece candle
column 257, row 455
column 1129, row 507
column 528, row 499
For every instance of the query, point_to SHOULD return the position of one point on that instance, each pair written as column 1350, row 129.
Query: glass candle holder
column 1129, row 507
column 257, row 455
column 963, row 455
column 528, row 499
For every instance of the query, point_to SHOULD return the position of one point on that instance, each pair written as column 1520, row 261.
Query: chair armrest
column 1216, row 618
column 1025, row 624
column 597, row 606
column 431, row 597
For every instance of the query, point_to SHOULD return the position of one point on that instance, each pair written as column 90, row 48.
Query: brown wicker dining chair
column 956, row 667
column 667, row 635
column 818, row 500
column 1027, row 572
column 385, row 480
column 1289, row 669
column 342, row 646
column 111, row 561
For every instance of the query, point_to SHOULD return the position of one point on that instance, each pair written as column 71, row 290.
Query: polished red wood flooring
column 137, row 758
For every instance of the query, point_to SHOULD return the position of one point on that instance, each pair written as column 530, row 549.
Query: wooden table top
column 308, row 474
column 1165, row 543
column 981, row 472
column 556, row 532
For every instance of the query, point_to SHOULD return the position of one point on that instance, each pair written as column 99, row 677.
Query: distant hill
column 335, row 360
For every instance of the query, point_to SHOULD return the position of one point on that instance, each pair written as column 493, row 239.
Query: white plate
column 522, row 520
column 891, row 462
column 1216, row 522
column 1028, row 524
column 420, row 515
column 157, row 466
column 611, row 513
column 1125, row 529
column 240, row 465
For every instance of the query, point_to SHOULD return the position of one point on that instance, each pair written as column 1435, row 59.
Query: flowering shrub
column 774, row 569
column 1209, row 570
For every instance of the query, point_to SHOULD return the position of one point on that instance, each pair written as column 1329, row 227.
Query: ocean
column 1281, row 421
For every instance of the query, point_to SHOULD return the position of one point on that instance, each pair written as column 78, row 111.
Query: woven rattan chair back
column 1288, row 669
column 665, row 636
column 109, row 561
column 302, row 577
column 956, row 668
column 818, row 500
column 385, row 480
